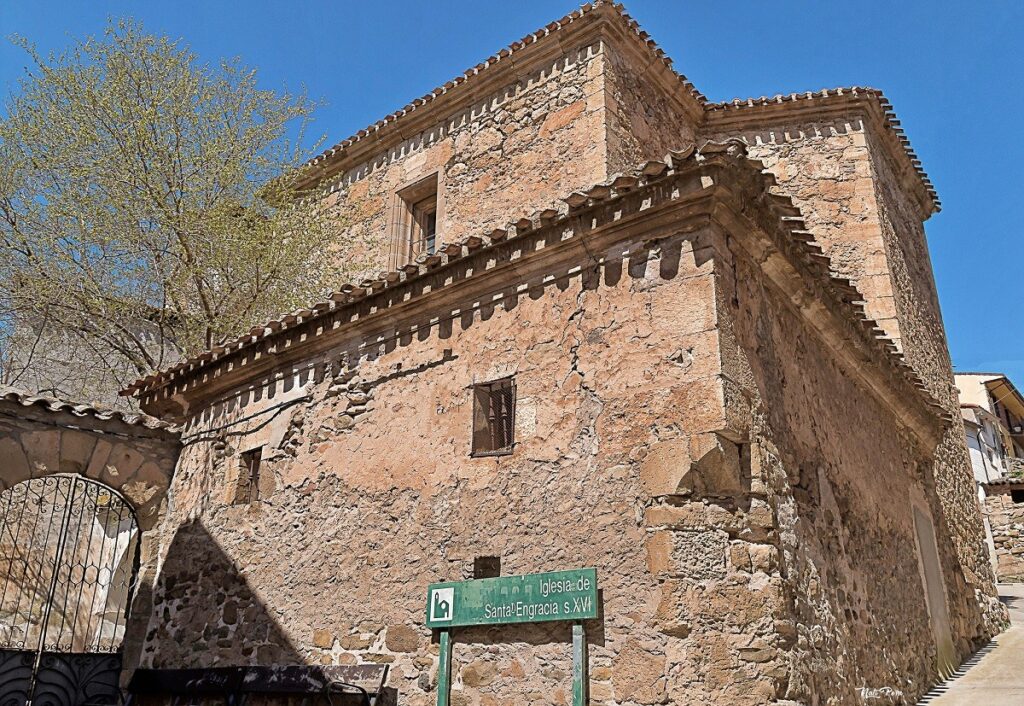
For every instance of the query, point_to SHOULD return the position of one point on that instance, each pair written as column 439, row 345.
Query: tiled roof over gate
column 80, row 409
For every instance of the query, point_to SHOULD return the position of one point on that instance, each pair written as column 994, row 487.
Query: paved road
column 994, row 676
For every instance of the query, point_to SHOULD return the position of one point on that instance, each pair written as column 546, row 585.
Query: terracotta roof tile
column 1004, row 482
column 798, row 242
column 335, row 152
column 79, row 409
column 832, row 94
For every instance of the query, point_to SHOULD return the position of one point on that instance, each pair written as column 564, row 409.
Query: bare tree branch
column 146, row 209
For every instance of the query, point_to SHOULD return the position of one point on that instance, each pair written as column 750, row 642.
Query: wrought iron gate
column 69, row 553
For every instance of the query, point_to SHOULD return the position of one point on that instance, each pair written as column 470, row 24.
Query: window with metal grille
column 248, row 488
column 494, row 417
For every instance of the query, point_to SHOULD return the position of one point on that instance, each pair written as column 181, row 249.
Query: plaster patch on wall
column 526, row 418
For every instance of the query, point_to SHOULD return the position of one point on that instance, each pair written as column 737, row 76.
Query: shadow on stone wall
column 646, row 262
column 849, row 480
column 206, row 614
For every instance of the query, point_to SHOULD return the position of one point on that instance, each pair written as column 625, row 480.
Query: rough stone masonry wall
column 512, row 152
column 643, row 122
column 1006, row 518
column 841, row 478
column 371, row 495
column 926, row 349
column 838, row 176
column 744, row 558
column 826, row 169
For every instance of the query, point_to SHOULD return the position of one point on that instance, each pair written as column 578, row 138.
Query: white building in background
column 993, row 414
column 983, row 440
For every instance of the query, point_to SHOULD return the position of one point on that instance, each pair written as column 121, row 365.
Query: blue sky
column 952, row 69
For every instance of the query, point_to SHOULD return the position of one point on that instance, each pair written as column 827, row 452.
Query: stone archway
column 65, row 589
column 116, row 470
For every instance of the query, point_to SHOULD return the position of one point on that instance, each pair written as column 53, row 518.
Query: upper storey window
column 423, row 233
column 414, row 224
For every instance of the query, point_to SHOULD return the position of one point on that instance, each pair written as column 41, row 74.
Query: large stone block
column 659, row 552
column 697, row 555
column 43, row 450
column 478, row 673
column 716, row 466
column 402, row 638
column 76, row 450
column 638, row 675
column 706, row 465
column 720, row 606
column 665, row 466
column 15, row 464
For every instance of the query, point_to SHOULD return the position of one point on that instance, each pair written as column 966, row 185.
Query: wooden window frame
column 422, row 210
column 411, row 208
column 483, row 416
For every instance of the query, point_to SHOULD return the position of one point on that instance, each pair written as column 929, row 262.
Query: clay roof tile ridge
column 617, row 9
column 788, row 215
column 890, row 121
column 80, row 409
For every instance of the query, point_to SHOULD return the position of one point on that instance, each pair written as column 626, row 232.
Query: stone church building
column 606, row 323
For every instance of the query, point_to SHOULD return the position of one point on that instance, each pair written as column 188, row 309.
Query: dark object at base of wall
column 62, row 678
column 337, row 685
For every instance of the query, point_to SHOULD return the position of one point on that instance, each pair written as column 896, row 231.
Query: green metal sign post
column 580, row 682
column 444, row 669
column 533, row 598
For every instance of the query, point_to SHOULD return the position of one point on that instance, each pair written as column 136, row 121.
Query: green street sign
column 534, row 598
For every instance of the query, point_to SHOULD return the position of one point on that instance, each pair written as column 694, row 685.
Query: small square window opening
column 1017, row 495
column 494, row 417
column 486, row 567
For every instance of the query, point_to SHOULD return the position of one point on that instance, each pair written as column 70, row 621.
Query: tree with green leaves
column 149, row 209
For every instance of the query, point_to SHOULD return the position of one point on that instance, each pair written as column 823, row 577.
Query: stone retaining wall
column 1006, row 518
